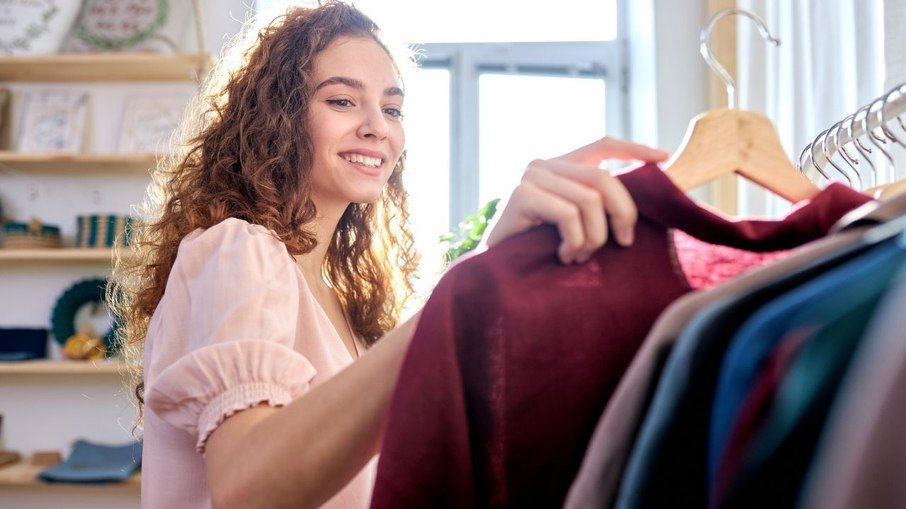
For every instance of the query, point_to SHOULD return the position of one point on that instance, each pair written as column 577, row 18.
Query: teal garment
column 773, row 470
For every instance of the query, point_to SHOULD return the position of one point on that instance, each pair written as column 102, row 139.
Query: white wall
column 668, row 79
column 681, row 75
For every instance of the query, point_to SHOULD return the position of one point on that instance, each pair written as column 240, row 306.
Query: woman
column 277, row 250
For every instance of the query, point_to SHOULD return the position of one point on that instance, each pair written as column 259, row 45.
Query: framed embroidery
column 130, row 25
column 53, row 121
column 148, row 123
column 35, row 26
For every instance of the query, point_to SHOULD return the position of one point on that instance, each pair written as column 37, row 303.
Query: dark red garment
column 515, row 354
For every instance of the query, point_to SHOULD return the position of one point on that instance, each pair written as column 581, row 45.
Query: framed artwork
column 130, row 25
column 148, row 123
column 35, row 26
column 53, row 121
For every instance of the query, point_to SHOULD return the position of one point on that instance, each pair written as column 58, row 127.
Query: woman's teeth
column 372, row 162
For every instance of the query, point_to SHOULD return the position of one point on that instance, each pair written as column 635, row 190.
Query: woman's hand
column 572, row 192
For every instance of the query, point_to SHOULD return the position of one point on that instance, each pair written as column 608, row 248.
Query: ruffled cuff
column 199, row 391
column 235, row 400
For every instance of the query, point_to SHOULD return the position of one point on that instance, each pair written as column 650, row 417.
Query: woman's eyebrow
column 357, row 84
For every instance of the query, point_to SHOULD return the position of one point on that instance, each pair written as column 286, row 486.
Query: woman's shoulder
column 231, row 231
column 229, row 228
column 232, row 238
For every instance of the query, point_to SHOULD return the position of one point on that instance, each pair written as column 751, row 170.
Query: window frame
column 466, row 62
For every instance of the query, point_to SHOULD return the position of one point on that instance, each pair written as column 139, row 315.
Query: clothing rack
column 871, row 124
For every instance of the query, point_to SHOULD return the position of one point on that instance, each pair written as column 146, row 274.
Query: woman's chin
column 366, row 198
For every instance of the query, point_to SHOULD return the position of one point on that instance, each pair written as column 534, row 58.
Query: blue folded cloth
column 96, row 463
column 21, row 344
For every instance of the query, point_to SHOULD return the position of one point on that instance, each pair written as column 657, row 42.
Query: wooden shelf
column 24, row 474
column 72, row 254
column 50, row 367
column 77, row 163
column 104, row 67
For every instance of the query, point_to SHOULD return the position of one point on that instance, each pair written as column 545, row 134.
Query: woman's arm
column 304, row 453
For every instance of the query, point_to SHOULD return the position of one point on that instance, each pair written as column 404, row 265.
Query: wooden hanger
column 729, row 140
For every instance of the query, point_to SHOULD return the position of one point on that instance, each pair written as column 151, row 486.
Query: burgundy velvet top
column 516, row 354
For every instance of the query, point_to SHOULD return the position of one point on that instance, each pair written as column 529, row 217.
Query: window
column 524, row 115
column 488, row 21
column 493, row 93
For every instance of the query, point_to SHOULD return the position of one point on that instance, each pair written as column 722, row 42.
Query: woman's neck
column 325, row 226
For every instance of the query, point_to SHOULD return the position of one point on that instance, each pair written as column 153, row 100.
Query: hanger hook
column 837, row 129
column 807, row 157
column 870, row 135
column 882, row 115
column 825, row 149
column 860, row 148
column 705, row 48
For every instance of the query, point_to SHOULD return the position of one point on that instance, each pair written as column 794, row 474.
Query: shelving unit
column 69, row 381
column 48, row 367
column 24, row 474
column 77, row 163
column 104, row 67
column 14, row 256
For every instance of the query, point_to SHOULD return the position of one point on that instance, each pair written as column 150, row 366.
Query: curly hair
column 243, row 143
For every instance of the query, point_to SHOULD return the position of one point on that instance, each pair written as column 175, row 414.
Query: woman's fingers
column 615, row 200
column 536, row 205
column 583, row 201
column 613, row 148
column 586, row 199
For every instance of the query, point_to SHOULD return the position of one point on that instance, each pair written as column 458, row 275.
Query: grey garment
column 861, row 458
column 599, row 477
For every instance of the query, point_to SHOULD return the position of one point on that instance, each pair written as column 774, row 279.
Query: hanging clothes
column 598, row 480
column 603, row 467
column 516, row 355
column 861, row 458
column 671, row 450
column 825, row 320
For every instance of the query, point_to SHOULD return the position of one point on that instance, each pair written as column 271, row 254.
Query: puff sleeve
column 222, row 338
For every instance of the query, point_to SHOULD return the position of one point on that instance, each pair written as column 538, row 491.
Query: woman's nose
column 373, row 125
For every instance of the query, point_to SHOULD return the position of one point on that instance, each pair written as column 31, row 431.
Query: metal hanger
column 882, row 116
column 869, row 125
column 830, row 159
column 853, row 162
column 704, row 45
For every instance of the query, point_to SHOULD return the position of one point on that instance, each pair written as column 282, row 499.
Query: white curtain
column 895, row 42
column 830, row 63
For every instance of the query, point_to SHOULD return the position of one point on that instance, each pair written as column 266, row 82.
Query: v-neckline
column 354, row 356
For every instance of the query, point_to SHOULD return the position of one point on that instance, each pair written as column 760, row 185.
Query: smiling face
column 354, row 121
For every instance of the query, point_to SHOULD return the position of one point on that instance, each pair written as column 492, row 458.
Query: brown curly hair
column 246, row 142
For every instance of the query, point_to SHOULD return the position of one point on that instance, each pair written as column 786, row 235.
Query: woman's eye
column 343, row 103
column 394, row 112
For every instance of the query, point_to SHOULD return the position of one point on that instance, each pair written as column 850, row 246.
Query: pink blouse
column 237, row 326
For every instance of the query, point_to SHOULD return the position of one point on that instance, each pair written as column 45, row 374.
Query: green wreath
column 110, row 44
column 62, row 321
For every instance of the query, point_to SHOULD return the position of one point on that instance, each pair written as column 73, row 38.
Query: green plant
column 471, row 230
